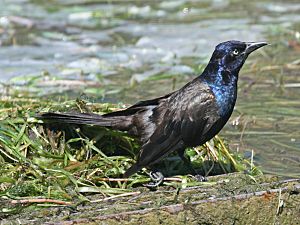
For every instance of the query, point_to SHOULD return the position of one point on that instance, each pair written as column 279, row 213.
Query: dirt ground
column 227, row 199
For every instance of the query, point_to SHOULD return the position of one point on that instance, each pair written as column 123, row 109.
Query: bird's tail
column 84, row 119
column 113, row 120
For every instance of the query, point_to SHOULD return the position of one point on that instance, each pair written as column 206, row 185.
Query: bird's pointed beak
column 252, row 46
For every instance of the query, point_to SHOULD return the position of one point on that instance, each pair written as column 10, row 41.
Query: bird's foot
column 200, row 178
column 157, row 179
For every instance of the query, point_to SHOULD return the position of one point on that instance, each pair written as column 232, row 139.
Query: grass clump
column 71, row 163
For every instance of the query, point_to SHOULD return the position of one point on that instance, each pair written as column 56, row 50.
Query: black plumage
column 184, row 118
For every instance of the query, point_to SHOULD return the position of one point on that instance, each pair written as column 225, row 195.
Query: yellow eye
column 235, row 52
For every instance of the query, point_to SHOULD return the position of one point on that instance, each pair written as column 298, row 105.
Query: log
column 228, row 199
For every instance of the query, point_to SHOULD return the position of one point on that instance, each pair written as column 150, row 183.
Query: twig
column 117, row 196
column 40, row 200
column 113, row 179
column 177, row 179
column 280, row 203
column 7, row 155
column 127, row 179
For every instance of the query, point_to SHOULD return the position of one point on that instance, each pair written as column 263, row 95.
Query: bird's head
column 231, row 55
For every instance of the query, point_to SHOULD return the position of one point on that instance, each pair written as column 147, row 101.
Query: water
column 126, row 51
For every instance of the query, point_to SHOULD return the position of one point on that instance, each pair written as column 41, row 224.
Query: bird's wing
column 185, row 115
column 151, row 102
column 200, row 116
column 139, row 106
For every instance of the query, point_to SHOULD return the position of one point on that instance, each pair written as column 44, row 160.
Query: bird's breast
column 225, row 97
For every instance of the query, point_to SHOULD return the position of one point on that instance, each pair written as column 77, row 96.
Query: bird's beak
column 252, row 46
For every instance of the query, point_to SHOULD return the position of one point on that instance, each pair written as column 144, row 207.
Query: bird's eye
column 235, row 52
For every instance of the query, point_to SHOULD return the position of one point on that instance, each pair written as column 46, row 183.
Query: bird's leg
column 157, row 179
column 187, row 162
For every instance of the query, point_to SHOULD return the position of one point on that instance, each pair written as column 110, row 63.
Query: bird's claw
column 200, row 178
column 157, row 179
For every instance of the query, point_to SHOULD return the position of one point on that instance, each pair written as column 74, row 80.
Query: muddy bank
column 226, row 199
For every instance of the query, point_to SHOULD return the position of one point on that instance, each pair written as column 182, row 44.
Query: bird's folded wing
column 138, row 107
column 200, row 116
column 179, row 124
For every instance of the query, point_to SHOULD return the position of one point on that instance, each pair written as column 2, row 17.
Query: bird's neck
column 223, row 84
column 216, row 74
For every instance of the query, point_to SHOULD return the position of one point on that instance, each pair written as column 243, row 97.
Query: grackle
column 184, row 118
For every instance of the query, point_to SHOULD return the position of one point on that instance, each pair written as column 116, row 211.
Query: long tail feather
column 77, row 118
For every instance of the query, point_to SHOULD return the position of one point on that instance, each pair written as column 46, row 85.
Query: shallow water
column 126, row 51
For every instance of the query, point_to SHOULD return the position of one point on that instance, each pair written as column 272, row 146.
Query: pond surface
column 130, row 50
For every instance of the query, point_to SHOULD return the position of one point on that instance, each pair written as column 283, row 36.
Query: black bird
column 184, row 118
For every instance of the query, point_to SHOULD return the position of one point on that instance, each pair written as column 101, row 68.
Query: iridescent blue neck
column 223, row 84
